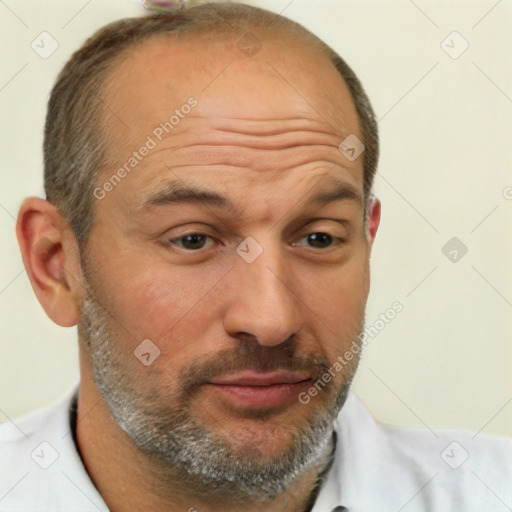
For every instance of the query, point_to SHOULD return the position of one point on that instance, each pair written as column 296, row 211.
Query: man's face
column 242, row 326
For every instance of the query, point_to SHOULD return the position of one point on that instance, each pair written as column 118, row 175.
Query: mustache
column 252, row 356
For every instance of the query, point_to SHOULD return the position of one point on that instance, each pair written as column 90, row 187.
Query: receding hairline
column 219, row 34
column 286, row 31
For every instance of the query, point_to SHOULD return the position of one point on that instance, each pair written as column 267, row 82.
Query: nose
column 264, row 300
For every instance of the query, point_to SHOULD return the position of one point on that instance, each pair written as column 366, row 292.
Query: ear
column 52, row 260
column 373, row 220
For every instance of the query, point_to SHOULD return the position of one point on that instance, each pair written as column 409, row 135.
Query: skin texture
column 264, row 134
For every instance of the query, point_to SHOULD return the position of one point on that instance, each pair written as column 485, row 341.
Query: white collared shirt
column 376, row 468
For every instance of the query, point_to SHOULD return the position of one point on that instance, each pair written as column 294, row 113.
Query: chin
column 261, row 441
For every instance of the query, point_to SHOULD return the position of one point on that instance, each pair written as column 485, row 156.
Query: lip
column 250, row 389
column 253, row 378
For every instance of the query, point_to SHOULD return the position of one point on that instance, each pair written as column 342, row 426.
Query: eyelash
column 336, row 241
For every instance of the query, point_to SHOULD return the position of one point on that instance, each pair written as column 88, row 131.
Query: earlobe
column 374, row 212
column 51, row 259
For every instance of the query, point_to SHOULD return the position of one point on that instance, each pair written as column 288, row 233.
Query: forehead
column 285, row 78
column 278, row 116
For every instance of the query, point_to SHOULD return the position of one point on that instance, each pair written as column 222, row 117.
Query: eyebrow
column 339, row 190
column 177, row 192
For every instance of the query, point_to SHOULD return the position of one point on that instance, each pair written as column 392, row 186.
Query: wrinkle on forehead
column 262, row 144
column 259, row 160
column 263, row 133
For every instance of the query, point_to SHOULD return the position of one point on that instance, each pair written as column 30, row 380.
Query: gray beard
column 161, row 425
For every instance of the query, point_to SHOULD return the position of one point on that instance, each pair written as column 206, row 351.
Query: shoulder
column 17, row 436
column 40, row 467
column 435, row 469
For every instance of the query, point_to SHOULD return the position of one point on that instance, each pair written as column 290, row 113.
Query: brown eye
column 191, row 242
column 319, row 240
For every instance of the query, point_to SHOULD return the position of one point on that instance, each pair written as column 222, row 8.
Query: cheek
column 171, row 307
column 338, row 300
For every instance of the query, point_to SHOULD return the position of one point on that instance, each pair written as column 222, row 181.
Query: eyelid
column 188, row 228
column 326, row 225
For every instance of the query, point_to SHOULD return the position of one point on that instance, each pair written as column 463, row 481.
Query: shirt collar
column 338, row 487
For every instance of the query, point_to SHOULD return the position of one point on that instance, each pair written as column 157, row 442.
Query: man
column 208, row 225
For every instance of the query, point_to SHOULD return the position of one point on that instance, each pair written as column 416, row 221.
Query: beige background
column 446, row 126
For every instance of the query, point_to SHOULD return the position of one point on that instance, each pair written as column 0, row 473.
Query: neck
column 132, row 481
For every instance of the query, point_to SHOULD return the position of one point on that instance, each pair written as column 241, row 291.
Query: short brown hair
column 74, row 145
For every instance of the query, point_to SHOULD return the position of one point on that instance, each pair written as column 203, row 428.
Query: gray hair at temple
column 75, row 149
